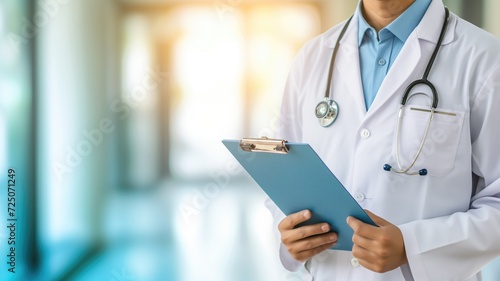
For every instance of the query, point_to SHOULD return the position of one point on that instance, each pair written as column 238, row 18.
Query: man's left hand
column 380, row 249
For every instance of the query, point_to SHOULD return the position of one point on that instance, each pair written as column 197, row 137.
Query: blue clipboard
column 295, row 178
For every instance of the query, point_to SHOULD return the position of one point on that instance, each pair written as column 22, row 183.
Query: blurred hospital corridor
column 228, row 238
column 112, row 114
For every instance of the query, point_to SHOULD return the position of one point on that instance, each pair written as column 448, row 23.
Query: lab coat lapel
column 412, row 60
column 347, row 65
column 400, row 75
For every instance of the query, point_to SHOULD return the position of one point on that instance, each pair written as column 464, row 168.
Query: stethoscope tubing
column 424, row 80
column 406, row 97
column 326, row 119
column 334, row 55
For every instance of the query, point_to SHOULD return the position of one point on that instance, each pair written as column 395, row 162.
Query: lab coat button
column 365, row 133
column 354, row 262
column 360, row 197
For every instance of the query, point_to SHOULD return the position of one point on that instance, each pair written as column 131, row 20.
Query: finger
column 362, row 242
column 368, row 265
column 362, row 229
column 292, row 235
column 365, row 258
column 305, row 248
column 369, row 260
column 294, row 219
column 307, row 254
column 362, row 253
column 315, row 241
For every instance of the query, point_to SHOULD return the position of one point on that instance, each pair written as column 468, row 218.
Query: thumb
column 376, row 219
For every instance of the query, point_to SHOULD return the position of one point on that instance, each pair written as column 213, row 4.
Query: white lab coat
column 450, row 219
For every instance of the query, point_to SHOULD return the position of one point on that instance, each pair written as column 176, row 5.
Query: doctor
column 427, row 166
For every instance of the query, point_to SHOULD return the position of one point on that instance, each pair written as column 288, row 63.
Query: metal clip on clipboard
column 264, row 144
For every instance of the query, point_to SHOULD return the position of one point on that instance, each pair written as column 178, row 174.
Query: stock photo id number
column 11, row 220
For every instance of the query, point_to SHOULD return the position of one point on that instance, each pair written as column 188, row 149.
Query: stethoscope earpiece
column 421, row 172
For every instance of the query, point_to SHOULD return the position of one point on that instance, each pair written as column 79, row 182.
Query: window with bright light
column 228, row 71
column 227, row 67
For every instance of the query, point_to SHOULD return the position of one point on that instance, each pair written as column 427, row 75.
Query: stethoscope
column 327, row 110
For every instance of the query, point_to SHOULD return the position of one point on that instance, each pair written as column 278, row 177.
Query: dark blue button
column 422, row 172
column 387, row 167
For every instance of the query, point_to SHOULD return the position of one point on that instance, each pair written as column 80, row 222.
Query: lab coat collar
column 411, row 57
column 402, row 71
column 427, row 30
column 350, row 37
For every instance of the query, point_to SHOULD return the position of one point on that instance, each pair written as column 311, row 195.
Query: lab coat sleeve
column 461, row 244
column 289, row 128
column 290, row 121
column 288, row 262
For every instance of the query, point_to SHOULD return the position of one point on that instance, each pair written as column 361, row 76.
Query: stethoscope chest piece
column 327, row 112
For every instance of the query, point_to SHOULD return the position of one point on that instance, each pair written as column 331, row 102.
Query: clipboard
column 296, row 178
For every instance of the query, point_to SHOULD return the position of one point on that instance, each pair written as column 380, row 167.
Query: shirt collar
column 363, row 26
column 402, row 26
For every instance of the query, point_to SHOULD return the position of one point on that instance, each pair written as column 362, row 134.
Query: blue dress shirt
column 377, row 52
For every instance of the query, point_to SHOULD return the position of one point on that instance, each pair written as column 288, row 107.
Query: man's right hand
column 306, row 241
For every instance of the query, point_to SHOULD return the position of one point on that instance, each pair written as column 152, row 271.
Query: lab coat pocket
column 440, row 148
